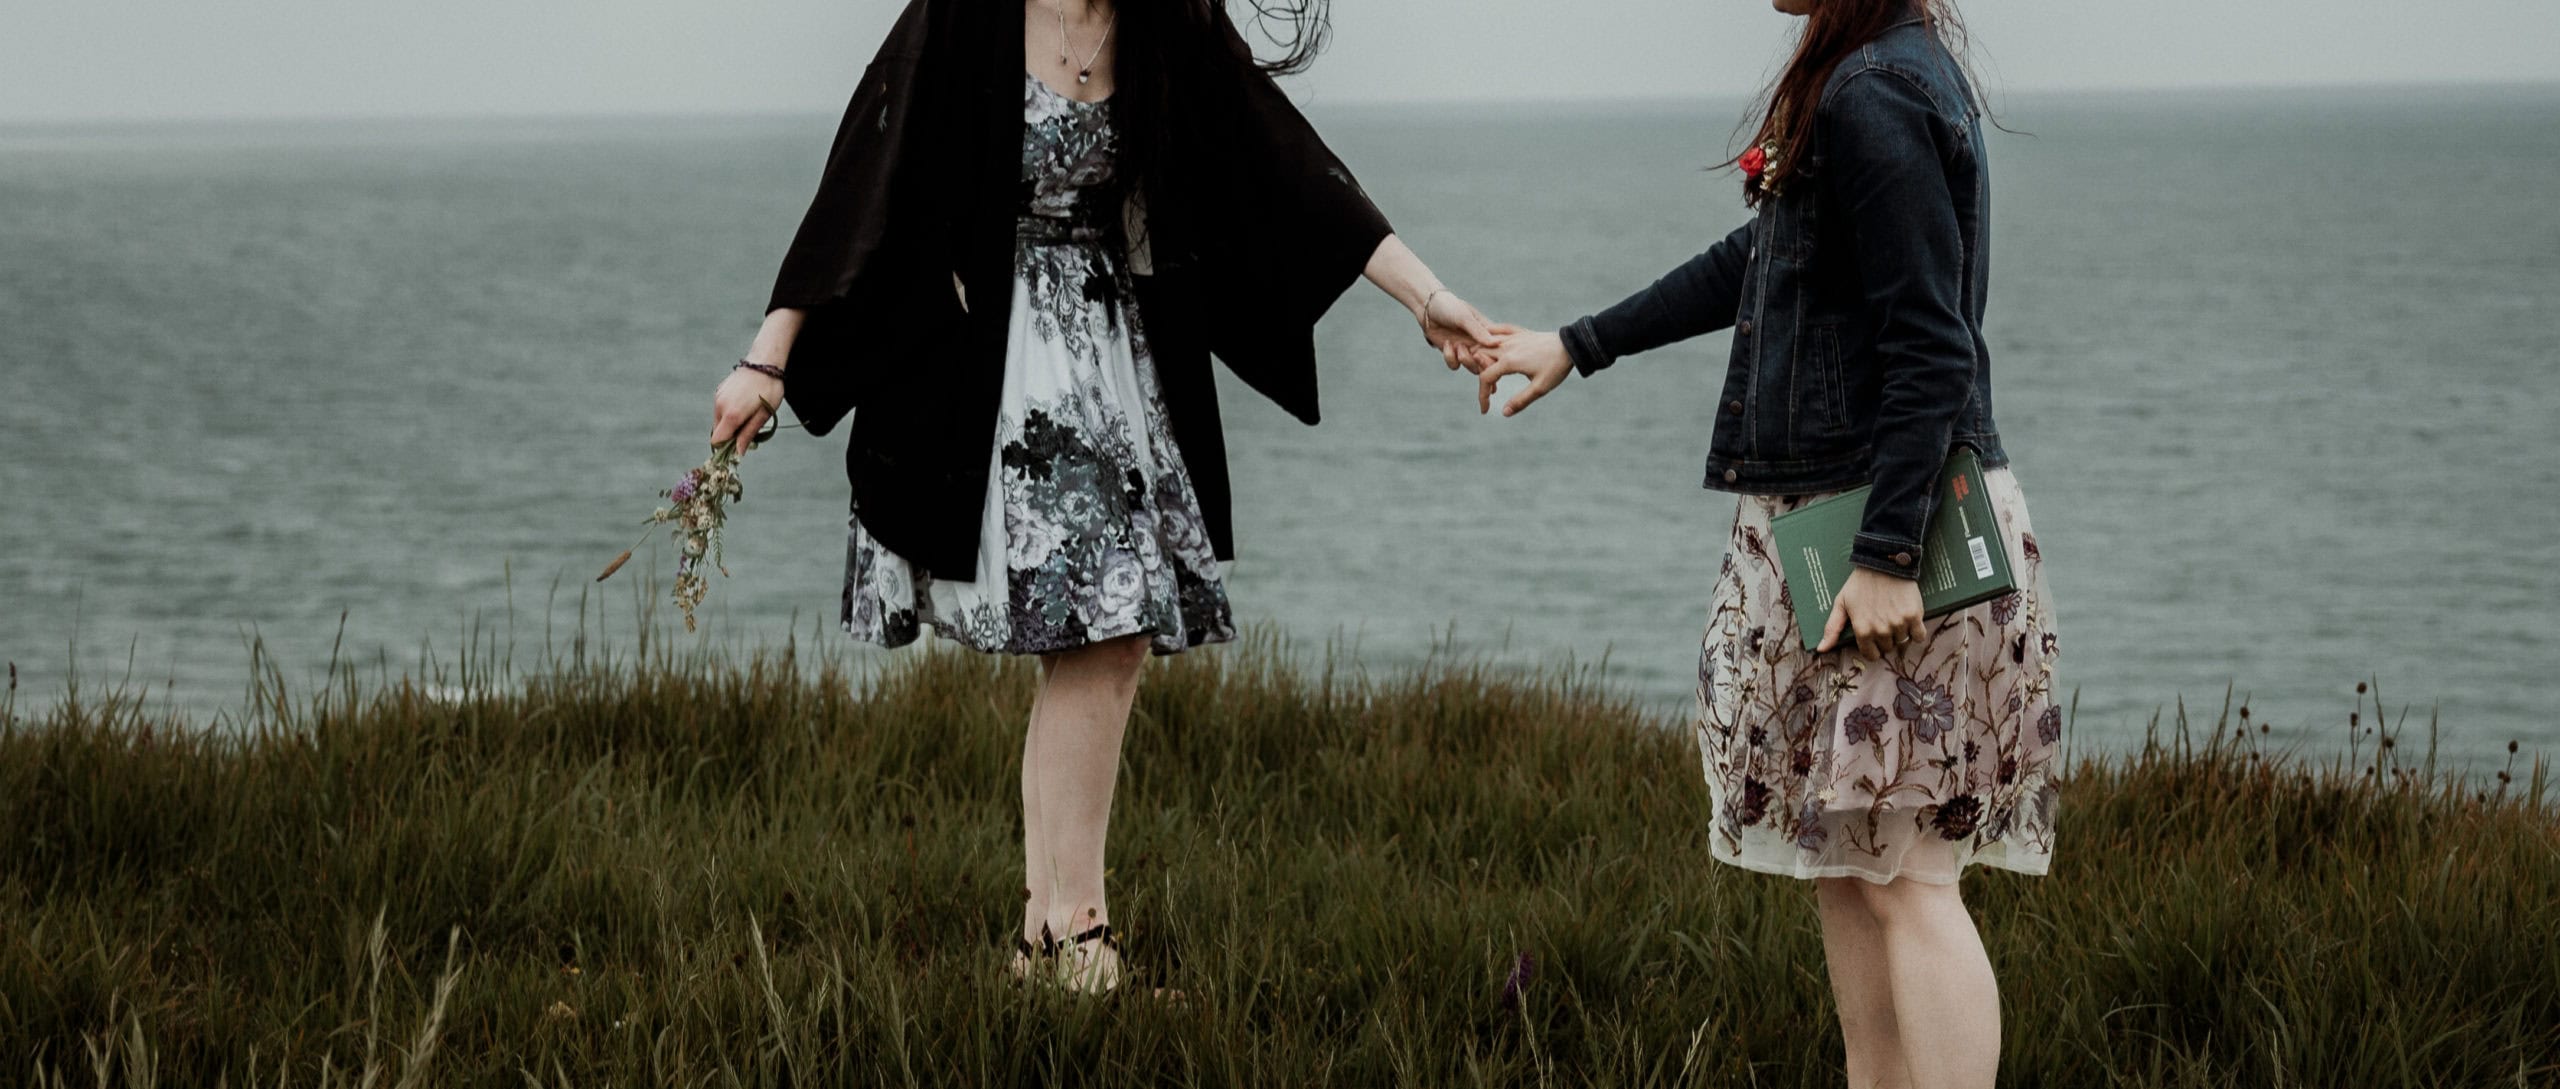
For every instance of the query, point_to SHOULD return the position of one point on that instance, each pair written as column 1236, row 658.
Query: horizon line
column 1566, row 101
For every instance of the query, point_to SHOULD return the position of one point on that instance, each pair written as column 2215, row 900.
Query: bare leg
column 1039, row 882
column 1853, row 948
column 1075, row 756
column 1946, row 1003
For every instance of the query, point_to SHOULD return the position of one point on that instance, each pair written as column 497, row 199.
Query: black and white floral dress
column 1091, row 531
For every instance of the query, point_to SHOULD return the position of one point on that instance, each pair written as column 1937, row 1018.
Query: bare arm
column 746, row 399
column 1448, row 322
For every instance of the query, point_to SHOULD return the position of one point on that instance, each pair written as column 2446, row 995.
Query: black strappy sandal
column 1027, row 957
column 1076, row 970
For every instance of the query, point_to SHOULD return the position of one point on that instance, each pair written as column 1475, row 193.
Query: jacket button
column 1734, row 407
column 1730, row 476
column 1743, row 327
column 1902, row 559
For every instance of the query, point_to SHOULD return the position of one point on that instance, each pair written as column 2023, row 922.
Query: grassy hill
column 708, row 871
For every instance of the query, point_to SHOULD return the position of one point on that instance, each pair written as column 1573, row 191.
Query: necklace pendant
column 1084, row 76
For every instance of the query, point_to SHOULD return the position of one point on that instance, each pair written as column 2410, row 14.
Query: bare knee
column 1842, row 893
column 1112, row 661
column 1904, row 899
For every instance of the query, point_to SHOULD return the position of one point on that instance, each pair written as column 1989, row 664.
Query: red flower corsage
column 1755, row 165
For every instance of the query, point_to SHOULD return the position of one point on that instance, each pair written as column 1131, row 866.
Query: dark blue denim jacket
column 1855, row 299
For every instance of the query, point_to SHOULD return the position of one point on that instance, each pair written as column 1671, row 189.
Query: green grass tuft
column 697, row 871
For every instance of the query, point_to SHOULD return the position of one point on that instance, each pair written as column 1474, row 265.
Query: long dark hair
column 1833, row 30
column 1170, row 49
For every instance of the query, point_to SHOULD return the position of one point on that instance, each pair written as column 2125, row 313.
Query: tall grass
column 759, row 870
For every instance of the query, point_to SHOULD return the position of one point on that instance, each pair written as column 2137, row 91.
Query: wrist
column 1421, row 305
column 771, row 370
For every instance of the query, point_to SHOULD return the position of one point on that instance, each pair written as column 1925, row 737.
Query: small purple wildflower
column 684, row 489
column 1516, row 986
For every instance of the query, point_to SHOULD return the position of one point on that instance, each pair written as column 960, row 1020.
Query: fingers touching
column 1539, row 357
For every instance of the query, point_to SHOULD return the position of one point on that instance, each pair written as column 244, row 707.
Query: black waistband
column 1085, row 226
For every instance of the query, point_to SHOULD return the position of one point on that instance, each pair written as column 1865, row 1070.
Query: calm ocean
column 2277, row 369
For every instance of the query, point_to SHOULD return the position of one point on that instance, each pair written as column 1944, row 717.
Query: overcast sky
column 100, row 59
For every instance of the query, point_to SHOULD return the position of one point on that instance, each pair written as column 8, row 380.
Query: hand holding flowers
column 698, row 503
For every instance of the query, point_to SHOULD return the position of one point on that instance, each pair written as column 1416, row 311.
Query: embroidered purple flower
column 1930, row 708
column 2027, row 544
column 1957, row 817
column 1759, row 735
column 2049, row 725
column 1863, row 724
column 1802, row 694
column 1972, row 750
column 2005, row 607
column 2008, row 770
column 1809, row 830
column 2050, row 644
column 1800, row 761
column 1752, row 641
column 1755, row 800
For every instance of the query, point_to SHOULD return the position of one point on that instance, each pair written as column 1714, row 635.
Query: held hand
column 1457, row 329
column 1879, row 611
column 1539, row 356
column 742, row 406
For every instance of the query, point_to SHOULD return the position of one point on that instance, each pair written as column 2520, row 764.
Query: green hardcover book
column 1963, row 562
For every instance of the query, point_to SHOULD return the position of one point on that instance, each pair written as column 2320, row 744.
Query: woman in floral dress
column 1905, row 748
column 1029, row 477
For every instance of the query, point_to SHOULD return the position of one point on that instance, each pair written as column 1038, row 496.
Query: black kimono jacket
column 921, row 189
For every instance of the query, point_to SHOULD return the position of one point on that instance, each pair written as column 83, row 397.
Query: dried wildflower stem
column 698, row 508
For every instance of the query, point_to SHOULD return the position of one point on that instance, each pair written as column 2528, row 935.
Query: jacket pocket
column 1826, row 385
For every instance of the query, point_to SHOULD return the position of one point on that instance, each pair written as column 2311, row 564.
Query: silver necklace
column 1084, row 73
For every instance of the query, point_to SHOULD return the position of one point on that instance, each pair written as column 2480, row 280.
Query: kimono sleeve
column 847, row 225
column 1289, row 228
column 849, row 268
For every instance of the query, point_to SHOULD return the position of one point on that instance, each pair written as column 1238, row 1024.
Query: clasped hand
column 1876, row 612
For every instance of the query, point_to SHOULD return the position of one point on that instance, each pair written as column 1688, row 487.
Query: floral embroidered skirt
column 1940, row 755
column 1092, row 530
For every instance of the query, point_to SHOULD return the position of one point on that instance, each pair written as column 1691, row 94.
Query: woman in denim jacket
column 1905, row 749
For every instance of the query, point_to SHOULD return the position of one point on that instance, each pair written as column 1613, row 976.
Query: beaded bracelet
column 766, row 369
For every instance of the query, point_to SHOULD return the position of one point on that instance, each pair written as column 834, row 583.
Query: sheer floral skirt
column 1938, row 756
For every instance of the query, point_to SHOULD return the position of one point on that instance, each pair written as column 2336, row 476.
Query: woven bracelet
column 766, row 369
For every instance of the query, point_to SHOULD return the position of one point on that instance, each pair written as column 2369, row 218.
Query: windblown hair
column 1832, row 31
column 1302, row 27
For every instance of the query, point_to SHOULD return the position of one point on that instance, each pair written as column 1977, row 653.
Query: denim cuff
column 1581, row 343
column 1885, row 555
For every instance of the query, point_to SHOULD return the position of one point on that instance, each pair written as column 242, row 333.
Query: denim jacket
column 1856, row 303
